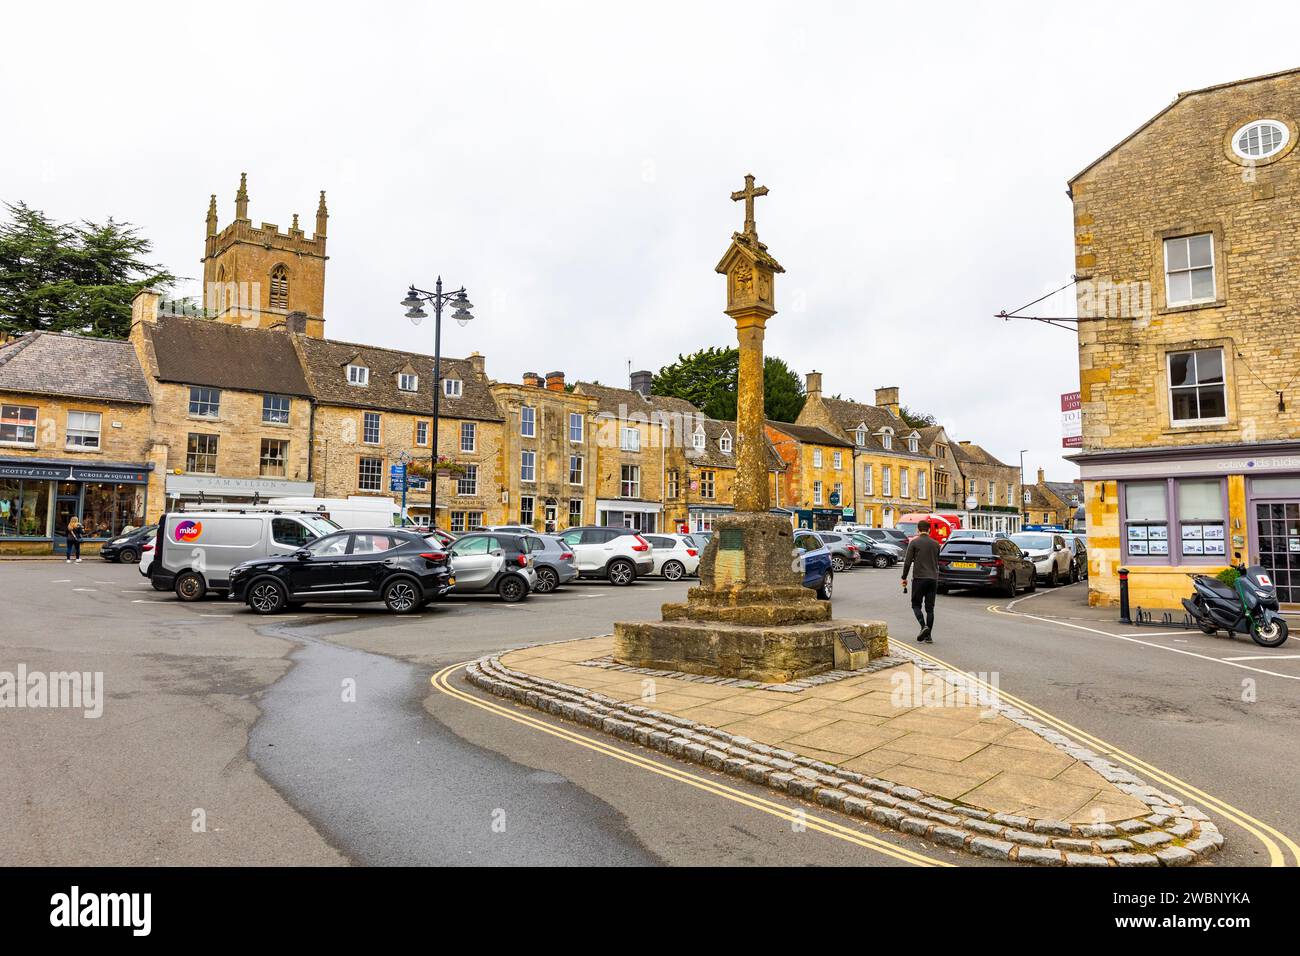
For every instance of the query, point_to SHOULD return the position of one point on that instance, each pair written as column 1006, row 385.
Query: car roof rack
column 248, row 509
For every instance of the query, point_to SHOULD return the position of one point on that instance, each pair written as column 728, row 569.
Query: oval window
column 1260, row 139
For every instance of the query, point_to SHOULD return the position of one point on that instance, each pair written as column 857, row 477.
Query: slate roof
column 973, row 454
column 48, row 363
column 609, row 399
column 712, row 455
column 205, row 352
column 1064, row 489
column 848, row 415
column 810, row 434
column 326, row 361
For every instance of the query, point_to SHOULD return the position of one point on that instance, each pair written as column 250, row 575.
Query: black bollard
column 1123, row 597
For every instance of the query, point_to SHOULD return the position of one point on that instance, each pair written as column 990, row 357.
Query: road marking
column 1266, row 657
column 95, row 590
column 1134, row 640
column 829, row 827
column 62, row 581
column 1113, row 753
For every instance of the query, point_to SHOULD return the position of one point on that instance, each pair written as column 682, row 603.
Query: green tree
column 708, row 378
column 916, row 419
column 75, row 277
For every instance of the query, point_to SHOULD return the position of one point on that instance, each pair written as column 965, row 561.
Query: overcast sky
column 570, row 164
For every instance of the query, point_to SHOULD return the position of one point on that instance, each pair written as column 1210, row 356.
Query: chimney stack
column 144, row 307
column 887, row 398
column 532, row 379
column 813, row 384
column 641, row 382
column 478, row 363
column 296, row 322
column 1041, row 479
column 555, row 381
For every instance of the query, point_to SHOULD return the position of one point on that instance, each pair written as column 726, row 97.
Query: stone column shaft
column 751, row 467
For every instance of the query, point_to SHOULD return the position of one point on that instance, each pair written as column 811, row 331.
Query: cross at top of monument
column 748, row 193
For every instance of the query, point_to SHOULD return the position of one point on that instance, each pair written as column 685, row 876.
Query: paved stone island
column 915, row 747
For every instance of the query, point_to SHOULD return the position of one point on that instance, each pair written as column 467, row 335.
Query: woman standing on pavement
column 74, row 534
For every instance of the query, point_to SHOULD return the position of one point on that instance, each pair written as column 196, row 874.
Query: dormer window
column 280, row 287
column 886, row 439
column 860, row 436
column 724, row 443
column 697, row 439
column 913, row 444
column 358, row 375
column 451, row 387
column 408, row 382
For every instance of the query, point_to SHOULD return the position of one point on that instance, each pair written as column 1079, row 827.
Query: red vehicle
column 941, row 526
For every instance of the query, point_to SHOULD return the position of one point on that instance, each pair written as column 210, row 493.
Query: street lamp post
column 1024, row 511
column 414, row 302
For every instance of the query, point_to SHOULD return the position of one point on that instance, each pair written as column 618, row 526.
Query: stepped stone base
column 772, row 654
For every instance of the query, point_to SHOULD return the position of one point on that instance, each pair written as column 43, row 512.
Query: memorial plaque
column 852, row 640
column 731, row 539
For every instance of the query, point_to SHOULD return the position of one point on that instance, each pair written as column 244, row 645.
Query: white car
column 619, row 555
column 676, row 555
column 1051, row 556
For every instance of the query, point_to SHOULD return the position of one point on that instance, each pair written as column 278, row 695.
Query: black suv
column 996, row 563
column 404, row 569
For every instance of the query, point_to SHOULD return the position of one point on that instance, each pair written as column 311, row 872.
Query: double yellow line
column 1278, row 844
column 789, row 814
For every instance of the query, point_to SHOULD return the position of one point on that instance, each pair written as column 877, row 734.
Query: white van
column 195, row 550
column 355, row 511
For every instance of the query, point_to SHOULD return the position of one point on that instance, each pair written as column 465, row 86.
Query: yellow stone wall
column 655, row 456
column 870, row 508
column 339, row 449
column 552, row 445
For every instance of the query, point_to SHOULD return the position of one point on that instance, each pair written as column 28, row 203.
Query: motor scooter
column 1247, row 606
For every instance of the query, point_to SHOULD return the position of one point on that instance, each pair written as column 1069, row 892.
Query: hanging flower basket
column 444, row 467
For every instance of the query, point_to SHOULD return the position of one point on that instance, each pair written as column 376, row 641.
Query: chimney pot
column 532, row 379
column 555, row 381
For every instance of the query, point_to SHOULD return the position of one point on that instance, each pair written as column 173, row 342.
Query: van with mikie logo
column 195, row 550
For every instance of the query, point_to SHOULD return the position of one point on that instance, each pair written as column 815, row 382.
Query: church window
column 280, row 288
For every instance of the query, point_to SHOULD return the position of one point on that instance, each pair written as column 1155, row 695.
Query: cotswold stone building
column 76, row 438
column 892, row 471
column 548, row 461
column 1187, row 235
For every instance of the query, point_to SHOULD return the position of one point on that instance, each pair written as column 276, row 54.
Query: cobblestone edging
column 789, row 687
column 1173, row 834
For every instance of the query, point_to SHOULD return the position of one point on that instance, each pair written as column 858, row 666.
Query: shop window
column 18, row 424
column 1201, row 529
column 83, row 430
column 24, row 508
column 201, row 454
column 457, row 522
column 1146, row 519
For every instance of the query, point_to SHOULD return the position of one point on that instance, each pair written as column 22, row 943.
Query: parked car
column 404, row 569
column 1078, row 545
column 354, row 511
column 1052, row 559
column 146, row 562
column 972, row 533
column 876, row 553
column 126, row 547
column 619, row 555
column 996, row 563
column 675, row 555
column 887, row 535
column 194, row 551
column 553, row 561
column 702, row 538
column 814, row 559
column 844, row 551
column 487, row 561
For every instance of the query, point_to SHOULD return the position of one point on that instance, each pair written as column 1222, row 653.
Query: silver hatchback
column 553, row 561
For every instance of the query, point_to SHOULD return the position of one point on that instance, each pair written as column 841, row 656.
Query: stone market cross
column 748, row 194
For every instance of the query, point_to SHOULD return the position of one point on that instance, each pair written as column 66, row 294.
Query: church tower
column 261, row 277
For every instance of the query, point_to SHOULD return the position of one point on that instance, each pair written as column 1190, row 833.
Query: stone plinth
column 771, row 654
column 750, row 617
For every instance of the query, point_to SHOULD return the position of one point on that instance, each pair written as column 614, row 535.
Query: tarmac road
column 211, row 708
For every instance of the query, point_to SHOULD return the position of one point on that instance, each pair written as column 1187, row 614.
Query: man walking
column 923, row 558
